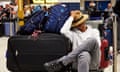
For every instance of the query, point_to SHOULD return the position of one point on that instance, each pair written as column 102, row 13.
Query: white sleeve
column 97, row 36
column 65, row 30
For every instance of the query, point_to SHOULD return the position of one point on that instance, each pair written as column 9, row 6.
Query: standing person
column 86, row 45
column 109, row 10
column 15, row 8
column 46, row 10
column 6, row 14
column 32, row 9
column 27, row 11
column 14, row 13
column 1, row 11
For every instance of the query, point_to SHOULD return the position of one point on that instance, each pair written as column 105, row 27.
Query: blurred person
column 32, row 8
column 109, row 8
column 91, row 7
column 86, row 45
column 46, row 10
column 14, row 7
column 6, row 13
column 108, row 19
column 27, row 11
column 1, row 9
column 36, row 8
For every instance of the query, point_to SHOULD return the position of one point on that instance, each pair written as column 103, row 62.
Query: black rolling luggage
column 26, row 54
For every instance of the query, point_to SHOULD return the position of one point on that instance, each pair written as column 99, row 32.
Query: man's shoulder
column 95, row 30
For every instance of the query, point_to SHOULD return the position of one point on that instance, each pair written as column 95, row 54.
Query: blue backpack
column 35, row 22
column 57, row 17
column 109, row 36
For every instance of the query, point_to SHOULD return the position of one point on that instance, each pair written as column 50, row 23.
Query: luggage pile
column 30, row 49
column 25, row 54
column 51, row 23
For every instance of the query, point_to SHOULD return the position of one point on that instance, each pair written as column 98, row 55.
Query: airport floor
column 3, row 48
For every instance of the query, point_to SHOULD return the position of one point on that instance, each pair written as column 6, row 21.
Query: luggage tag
column 35, row 34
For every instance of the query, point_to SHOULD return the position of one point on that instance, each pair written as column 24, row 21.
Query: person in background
column 1, row 10
column 109, row 11
column 14, row 7
column 6, row 15
column 32, row 9
column 109, row 8
column 85, row 43
column 91, row 8
column 27, row 11
column 36, row 8
column 46, row 10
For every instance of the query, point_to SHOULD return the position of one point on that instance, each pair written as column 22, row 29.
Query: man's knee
column 84, row 57
column 93, row 40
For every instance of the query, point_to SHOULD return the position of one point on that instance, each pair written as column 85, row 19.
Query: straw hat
column 80, row 18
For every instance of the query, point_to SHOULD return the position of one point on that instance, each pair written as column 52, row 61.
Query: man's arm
column 65, row 30
column 67, row 26
column 11, row 6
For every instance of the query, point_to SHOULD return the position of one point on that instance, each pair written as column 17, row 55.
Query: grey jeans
column 87, row 56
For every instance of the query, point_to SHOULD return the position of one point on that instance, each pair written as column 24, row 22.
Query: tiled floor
column 3, row 47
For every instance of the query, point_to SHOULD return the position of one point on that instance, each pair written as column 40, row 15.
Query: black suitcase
column 26, row 54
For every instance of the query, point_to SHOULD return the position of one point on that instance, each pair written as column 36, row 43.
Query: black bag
column 26, row 54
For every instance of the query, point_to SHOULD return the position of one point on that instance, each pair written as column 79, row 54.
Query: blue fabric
column 109, row 36
column 34, row 22
column 7, row 28
column 57, row 16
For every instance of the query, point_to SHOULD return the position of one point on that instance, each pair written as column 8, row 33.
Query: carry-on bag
column 104, row 54
column 26, row 54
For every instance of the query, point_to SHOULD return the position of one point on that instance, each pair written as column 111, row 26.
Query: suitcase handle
column 35, row 34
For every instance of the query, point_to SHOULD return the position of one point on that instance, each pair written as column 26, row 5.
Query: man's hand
column 75, row 14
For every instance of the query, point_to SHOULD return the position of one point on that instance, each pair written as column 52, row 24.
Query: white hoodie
column 76, row 36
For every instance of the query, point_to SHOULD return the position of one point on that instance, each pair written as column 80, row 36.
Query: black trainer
column 53, row 66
